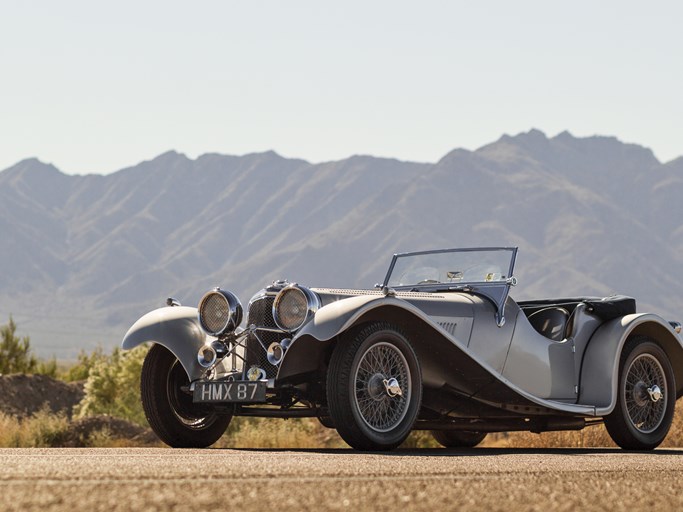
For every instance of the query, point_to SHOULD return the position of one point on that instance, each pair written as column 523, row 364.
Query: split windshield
column 451, row 266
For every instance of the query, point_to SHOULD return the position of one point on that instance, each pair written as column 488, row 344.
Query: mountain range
column 83, row 257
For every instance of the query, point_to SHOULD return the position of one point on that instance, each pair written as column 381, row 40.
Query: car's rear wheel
column 168, row 405
column 458, row 439
column 646, row 396
column 374, row 387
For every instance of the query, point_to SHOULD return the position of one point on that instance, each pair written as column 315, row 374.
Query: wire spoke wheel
column 645, row 393
column 374, row 387
column 646, row 396
column 379, row 407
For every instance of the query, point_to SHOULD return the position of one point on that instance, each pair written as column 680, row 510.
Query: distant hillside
column 84, row 256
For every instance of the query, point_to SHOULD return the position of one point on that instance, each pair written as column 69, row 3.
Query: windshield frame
column 513, row 257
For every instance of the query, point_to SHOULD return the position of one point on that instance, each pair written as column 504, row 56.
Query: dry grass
column 45, row 429
column 590, row 437
column 40, row 430
column 278, row 433
column 308, row 433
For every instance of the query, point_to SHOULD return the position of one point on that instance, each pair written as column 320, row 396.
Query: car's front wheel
column 646, row 396
column 168, row 405
column 458, row 439
column 374, row 387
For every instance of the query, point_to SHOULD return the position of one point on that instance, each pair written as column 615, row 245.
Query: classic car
column 439, row 345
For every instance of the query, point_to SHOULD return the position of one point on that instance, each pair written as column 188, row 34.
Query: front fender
column 600, row 370
column 315, row 338
column 338, row 316
column 175, row 328
column 311, row 342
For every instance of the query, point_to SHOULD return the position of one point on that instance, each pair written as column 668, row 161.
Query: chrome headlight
column 220, row 312
column 293, row 306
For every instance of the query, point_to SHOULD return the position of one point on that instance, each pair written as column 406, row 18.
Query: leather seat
column 551, row 322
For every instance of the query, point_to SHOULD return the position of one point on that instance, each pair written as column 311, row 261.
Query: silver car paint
column 538, row 365
column 175, row 328
column 535, row 369
column 337, row 317
column 544, row 372
column 600, row 375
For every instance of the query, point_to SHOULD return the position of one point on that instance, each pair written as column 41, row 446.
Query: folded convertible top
column 606, row 308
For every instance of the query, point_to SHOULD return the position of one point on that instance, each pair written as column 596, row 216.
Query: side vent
column 449, row 326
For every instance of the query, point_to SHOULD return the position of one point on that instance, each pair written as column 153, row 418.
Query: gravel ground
column 75, row 479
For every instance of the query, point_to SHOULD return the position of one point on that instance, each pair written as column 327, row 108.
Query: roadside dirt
column 23, row 395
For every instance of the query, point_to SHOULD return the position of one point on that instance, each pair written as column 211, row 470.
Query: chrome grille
column 261, row 315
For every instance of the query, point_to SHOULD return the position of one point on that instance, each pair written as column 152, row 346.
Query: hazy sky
column 97, row 86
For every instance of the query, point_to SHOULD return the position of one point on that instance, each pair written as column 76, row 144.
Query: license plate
column 230, row 392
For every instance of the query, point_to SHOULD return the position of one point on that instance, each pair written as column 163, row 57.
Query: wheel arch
column 666, row 337
column 175, row 328
column 600, row 369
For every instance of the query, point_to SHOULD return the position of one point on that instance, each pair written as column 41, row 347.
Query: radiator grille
column 261, row 315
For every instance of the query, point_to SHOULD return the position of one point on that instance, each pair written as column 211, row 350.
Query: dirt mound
column 81, row 432
column 23, row 395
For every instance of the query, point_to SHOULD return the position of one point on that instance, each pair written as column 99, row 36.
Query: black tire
column 326, row 421
column 457, row 438
column 642, row 416
column 370, row 410
column 173, row 416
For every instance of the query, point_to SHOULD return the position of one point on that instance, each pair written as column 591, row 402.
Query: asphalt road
column 262, row 480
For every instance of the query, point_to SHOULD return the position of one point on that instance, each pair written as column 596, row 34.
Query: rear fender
column 600, row 370
column 175, row 328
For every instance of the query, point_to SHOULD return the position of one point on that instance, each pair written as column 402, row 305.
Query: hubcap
column 382, row 387
column 392, row 387
column 645, row 393
column 655, row 393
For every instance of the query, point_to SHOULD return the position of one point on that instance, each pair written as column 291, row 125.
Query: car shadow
column 467, row 452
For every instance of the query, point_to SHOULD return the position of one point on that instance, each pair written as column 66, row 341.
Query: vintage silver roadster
column 438, row 346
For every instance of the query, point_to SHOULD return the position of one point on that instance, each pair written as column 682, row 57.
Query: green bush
column 113, row 386
column 86, row 362
column 15, row 352
column 16, row 356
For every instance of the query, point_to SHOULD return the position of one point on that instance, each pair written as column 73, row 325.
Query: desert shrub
column 47, row 367
column 16, row 355
column 85, row 362
column 15, row 352
column 113, row 386
column 43, row 429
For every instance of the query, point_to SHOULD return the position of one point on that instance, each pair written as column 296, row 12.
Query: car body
column 440, row 345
